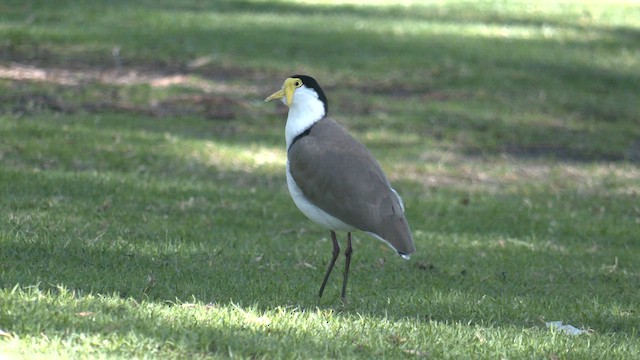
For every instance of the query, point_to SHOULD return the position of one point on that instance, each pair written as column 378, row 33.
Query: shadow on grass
column 508, row 71
column 229, row 251
column 493, row 301
column 240, row 249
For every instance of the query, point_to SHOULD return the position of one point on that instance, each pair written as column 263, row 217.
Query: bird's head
column 301, row 91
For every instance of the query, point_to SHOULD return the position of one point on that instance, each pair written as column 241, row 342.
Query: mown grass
column 144, row 211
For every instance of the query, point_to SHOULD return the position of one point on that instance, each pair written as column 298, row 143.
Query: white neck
column 306, row 109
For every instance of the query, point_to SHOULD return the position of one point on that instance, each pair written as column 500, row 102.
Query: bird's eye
column 297, row 83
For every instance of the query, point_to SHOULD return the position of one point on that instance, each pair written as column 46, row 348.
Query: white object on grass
column 567, row 329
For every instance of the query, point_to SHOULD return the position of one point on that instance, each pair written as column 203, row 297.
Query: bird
column 334, row 180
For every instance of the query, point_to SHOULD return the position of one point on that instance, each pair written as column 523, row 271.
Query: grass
column 144, row 211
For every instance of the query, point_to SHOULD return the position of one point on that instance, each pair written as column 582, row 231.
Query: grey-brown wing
column 341, row 176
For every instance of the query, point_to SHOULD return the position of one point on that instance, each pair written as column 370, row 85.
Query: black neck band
column 300, row 136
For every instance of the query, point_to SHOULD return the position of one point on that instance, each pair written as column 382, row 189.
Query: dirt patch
column 213, row 107
column 220, row 95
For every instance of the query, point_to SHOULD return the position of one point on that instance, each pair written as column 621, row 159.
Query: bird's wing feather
column 340, row 175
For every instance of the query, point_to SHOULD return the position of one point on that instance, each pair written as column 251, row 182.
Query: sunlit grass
column 241, row 157
column 115, row 324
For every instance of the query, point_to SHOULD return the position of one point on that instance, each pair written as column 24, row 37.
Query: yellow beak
column 287, row 91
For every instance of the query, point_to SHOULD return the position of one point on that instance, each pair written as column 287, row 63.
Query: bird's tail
column 398, row 234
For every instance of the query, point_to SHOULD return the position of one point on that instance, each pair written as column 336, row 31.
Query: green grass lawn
column 144, row 211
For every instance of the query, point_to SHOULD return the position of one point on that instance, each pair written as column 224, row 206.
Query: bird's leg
column 347, row 255
column 336, row 252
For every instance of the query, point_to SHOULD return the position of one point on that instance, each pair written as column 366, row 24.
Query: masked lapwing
column 334, row 179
